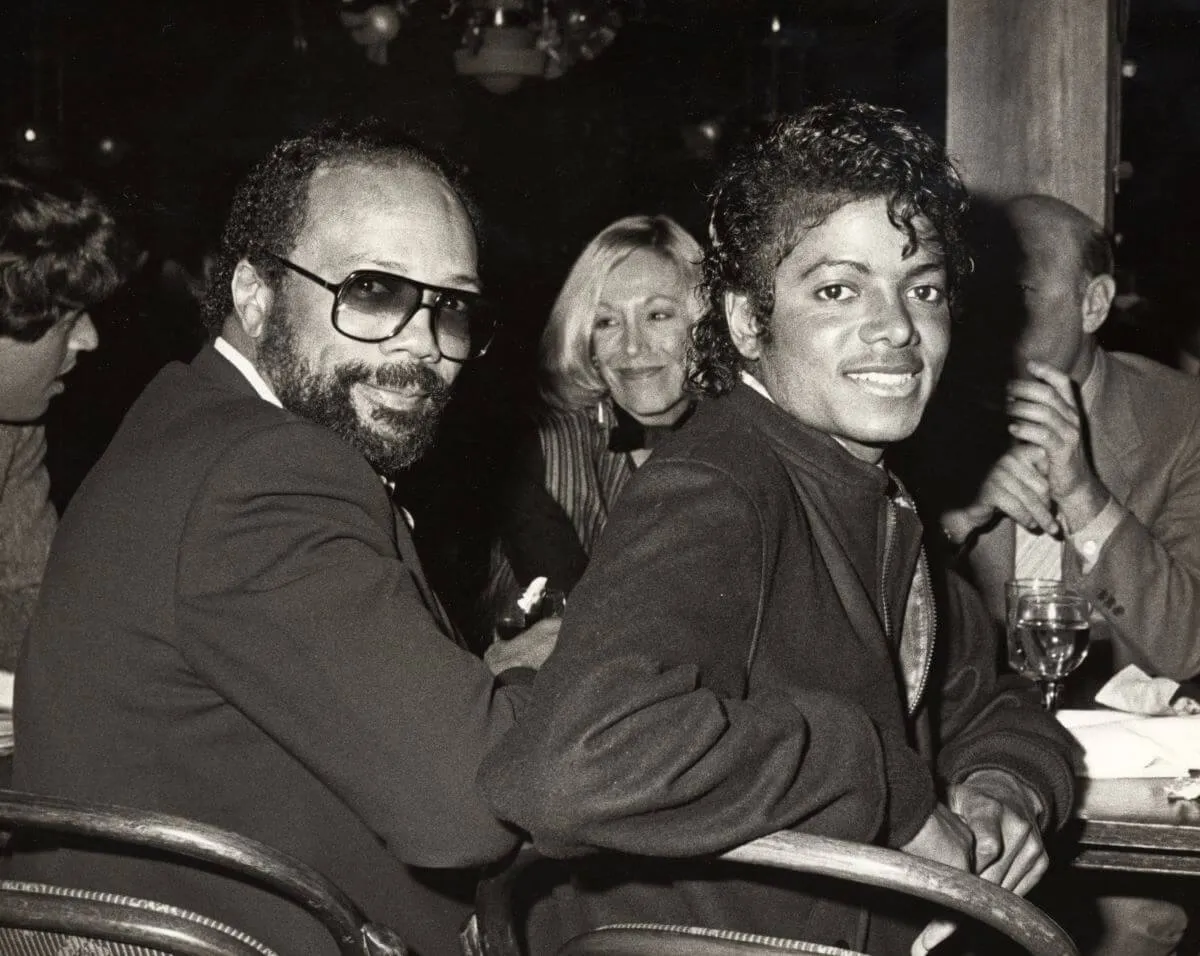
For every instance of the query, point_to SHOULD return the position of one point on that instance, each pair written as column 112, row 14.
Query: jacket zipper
column 888, row 534
column 922, row 579
column 923, row 564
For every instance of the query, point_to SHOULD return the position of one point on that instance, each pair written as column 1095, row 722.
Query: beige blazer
column 1144, row 436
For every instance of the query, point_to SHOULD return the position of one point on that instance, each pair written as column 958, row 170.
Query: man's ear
column 1097, row 301
column 744, row 327
column 252, row 299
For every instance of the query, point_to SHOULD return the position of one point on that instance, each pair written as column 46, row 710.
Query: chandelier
column 504, row 41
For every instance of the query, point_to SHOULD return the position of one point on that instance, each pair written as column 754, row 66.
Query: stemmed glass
column 513, row 619
column 1048, row 637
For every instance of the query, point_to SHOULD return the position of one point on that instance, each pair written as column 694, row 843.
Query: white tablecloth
column 1117, row 744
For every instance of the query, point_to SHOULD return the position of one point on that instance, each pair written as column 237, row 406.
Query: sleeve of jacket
column 1146, row 580
column 291, row 600
column 984, row 722
column 27, row 523
column 538, row 537
column 642, row 736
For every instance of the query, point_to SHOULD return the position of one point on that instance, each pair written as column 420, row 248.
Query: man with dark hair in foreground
column 755, row 644
column 59, row 255
column 234, row 625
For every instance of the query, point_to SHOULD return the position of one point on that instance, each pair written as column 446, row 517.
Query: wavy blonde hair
column 569, row 380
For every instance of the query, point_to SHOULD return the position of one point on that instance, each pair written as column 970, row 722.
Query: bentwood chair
column 38, row 919
column 958, row 892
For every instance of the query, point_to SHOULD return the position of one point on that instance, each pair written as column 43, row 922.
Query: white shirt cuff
column 1089, row 540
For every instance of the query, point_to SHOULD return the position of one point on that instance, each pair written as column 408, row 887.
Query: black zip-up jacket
column 731, row 665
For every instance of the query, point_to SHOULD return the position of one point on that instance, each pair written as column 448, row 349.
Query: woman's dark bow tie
column 628, row 434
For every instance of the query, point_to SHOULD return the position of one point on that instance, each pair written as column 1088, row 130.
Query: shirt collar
column 757, row 386
column 249, row 372
column 1093, row 385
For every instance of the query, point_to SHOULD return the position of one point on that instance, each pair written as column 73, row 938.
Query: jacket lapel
column 408, row 554
column 852, row 595
column 210, row 363
column 1114, row 433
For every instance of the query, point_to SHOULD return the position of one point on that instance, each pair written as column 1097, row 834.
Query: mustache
column 412, row 375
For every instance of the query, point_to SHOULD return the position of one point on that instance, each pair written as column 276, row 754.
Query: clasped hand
column 988, row 827
column 1046, row 475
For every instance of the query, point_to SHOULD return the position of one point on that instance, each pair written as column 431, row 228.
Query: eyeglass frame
column 337, row 288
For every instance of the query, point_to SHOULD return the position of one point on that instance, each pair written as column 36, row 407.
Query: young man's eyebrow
column 930, row 265
column 824, row 263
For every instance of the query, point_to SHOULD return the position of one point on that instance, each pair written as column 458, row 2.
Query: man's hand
column 529, row 649
column 1016, row 486
column 1002, row 813
column 945, row 838
column 1046, row 414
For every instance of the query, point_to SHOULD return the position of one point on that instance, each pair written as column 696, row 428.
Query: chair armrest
column 962, row 892
column 194, row 840
column 113, row 921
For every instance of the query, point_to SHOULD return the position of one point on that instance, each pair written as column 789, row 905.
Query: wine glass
column 1014, row 588
column 554, row 604
column 1049, row 637
column 512, row 619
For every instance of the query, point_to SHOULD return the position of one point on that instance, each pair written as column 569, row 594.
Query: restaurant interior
column 619, row 106
column 566, row 114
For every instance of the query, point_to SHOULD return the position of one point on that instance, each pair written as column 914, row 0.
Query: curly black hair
column 60, row 250
column 270, row 205
column 802, row 171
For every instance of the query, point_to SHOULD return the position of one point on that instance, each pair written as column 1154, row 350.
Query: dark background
column 187, row 93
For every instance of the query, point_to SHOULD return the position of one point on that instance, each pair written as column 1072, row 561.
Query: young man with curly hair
column 759, row 641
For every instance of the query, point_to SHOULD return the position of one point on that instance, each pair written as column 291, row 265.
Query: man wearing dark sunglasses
column 235, row 626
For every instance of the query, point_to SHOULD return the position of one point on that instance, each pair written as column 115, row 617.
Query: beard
column 392, row 439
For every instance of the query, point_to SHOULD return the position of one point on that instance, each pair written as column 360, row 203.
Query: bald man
column 1101, row 483
column 1100, row 487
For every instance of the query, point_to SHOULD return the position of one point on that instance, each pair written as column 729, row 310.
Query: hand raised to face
column 1015, row 486
column 1046, row 414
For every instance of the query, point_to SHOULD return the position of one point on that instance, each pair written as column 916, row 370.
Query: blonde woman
column 613, row 361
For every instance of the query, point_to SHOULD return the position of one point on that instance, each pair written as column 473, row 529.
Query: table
column 1130, row 826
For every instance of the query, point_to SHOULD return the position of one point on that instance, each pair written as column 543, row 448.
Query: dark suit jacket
column 234, row 627
column 1145, row 443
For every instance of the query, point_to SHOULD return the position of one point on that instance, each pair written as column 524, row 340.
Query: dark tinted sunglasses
column 373, row 306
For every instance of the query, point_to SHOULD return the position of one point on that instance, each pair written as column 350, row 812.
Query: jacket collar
column 854, row 526
column 628, row 434
column 247, row 370
column 817, row 450
column 213, row 366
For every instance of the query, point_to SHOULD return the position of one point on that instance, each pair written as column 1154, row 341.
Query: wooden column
column 1032, row 101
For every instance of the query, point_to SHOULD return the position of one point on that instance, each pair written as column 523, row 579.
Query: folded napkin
column 1133, row 745
column 1136, row 692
